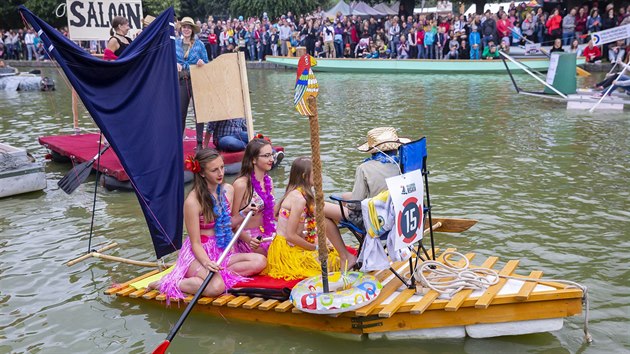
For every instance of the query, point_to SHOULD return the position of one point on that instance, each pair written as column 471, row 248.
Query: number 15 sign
column 407, row 193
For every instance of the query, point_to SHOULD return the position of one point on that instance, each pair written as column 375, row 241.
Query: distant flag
column 305, row 84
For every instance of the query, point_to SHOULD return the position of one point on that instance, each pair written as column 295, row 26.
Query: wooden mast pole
column 320, row 219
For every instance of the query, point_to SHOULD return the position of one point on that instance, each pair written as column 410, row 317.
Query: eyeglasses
column 265, row 156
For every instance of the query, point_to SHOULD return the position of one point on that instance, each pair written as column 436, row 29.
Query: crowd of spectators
column 422, row 36
column 21, row 44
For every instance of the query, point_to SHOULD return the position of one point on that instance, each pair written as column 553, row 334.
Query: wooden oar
column 452, row 225
column 161, row 349
column 578, row 70
column 77, row 175
column 607, row 92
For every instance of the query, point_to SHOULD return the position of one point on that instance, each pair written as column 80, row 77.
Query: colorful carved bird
column 305, row 84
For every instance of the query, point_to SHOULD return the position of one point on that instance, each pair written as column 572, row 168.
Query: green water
column 549, row 187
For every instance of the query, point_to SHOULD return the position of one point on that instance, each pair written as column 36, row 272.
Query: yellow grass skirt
column 294, row 262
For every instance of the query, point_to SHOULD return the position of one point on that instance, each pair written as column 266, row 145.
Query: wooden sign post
column 305, row 101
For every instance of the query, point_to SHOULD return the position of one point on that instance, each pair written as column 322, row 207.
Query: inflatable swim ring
column 347, row 292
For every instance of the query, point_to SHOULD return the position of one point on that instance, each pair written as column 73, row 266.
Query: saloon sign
column 93, row 19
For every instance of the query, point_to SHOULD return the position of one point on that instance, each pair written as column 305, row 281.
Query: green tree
column 45, row 9
column 155, row 7
column 274, row 8
column 199, row 10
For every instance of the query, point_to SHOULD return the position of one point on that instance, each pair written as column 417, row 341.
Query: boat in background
column 19, row 172
column 416, row 66
column 11, row 79
column 79, row 148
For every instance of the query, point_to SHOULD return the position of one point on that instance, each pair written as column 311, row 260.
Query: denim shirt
column 196, row 52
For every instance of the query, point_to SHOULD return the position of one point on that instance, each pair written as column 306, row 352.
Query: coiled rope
column 448, row 278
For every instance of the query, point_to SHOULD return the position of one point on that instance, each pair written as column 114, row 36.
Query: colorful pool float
column 348, row 292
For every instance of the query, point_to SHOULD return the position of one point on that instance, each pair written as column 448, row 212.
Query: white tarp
column 383, row 8
column 395, row 7
column 442, row 7
column 364, row 8
column 89, row 20
column 340, row 7
column 494, row 8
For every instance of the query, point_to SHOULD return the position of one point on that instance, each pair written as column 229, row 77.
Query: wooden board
column 238, row 301
column 205, row 300
column 222, row 300
column 453, row 225
column 386, row 291
column 118, row 287
column 432, row 295
column 540, row 296
column 470, row 315
column 138, row 293
column 393, row 306
column 529, row 286
column 284, row 307
column 253, row 303
column 484, row 300
column 151, row 294
column 126, row 291
column 268, row 305
column 458, row 299
column 218, row 94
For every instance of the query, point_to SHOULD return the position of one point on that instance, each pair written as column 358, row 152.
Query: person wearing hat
column 189, row 51
column 382, row 145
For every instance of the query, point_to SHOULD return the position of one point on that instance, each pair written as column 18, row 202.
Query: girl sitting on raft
column 293, row 252
column 207, row 220
column 254, row 188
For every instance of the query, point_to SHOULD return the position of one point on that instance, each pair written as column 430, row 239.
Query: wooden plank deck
column 400, row 312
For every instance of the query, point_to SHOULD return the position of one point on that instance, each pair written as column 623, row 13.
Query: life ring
column 348, row 292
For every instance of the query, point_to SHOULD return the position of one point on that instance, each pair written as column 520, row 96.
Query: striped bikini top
column 205, row 226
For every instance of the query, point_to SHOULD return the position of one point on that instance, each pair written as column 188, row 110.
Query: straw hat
column 383, row 139
column 189, row 21
column 147, row 20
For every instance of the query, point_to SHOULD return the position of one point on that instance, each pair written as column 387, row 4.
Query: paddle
column 161, row 349
column 579, row 70
column 453, row 225
column 77, row 175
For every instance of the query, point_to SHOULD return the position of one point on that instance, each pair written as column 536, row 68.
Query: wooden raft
column 396, row 308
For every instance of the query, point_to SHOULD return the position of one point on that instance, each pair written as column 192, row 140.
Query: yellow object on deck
column 293, row 262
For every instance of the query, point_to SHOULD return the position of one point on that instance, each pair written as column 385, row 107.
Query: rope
column 447, row 278
column 61, row 6
column 320, row 218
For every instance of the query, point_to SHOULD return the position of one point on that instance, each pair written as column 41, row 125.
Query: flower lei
column 310, row 228
column 192, row 164
column 310, row 224
column 222, row 220
column 268, row 219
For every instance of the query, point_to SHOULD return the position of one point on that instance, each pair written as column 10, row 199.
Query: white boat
column 19, row 172
column 13, row 80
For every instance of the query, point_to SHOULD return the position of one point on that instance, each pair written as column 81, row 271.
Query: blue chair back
column 413, row 155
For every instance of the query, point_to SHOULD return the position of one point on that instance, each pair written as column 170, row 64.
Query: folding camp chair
column 413, row 156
